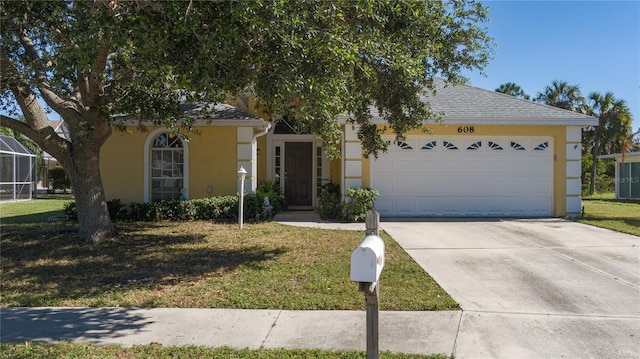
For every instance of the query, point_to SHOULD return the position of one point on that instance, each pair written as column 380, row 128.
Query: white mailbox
column 367, row 260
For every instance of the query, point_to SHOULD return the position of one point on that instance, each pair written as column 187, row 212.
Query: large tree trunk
column 93, row 215
column 88, row 133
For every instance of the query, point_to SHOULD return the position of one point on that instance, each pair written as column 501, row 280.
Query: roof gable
column 221, row 114
column 465, row 102
column 468, row 104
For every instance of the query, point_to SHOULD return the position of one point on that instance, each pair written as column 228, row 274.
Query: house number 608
column 466, row 129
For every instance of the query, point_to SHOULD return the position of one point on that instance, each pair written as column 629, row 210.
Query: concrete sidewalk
column 407, row 332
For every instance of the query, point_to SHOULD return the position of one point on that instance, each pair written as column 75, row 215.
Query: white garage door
column 465, row 176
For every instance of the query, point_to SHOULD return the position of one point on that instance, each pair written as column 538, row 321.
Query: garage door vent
column 448, row 145
column 541, row 147
column 494, row 146
column 476, row 145
column 429, row 145
column 404, row 145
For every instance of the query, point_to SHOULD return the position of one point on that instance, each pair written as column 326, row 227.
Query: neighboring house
column 627, row 174
column 494, row 155
column 17, row 170
column 51, row 162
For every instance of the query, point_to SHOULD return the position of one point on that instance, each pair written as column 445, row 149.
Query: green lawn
column 606, row 212
column 198, row 264
column 68, row 350
column 33, row 211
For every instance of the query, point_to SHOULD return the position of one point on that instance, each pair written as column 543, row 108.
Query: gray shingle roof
column 219, row 114
column 221, row 111
column 468, row 104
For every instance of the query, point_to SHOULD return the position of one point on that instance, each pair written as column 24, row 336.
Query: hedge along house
column 627, row 174
column 158, row 165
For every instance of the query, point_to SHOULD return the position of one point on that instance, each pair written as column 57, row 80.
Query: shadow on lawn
column 42, row 266
column 42, row 217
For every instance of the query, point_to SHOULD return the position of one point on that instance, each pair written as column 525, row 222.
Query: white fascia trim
column 509, row 121
column 212, row 123
column 619, row 155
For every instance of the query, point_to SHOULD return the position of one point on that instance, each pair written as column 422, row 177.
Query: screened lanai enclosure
column 17, row 170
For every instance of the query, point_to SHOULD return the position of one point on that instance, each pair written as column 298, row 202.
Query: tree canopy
column 612, row 134
column 613, row 130
column 91, row 60
column 510, row 88
column 563, row 95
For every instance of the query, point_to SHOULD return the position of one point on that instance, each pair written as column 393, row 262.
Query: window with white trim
column 167, row 167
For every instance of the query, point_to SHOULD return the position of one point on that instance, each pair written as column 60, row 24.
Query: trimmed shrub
column 330, row 202
column 361, row 201
column 70, row 211
column 219, row 209
column 117, row 210
column 59, row 180
column 272, row 190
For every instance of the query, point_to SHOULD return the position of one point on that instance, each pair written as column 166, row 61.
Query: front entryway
column 298, row 175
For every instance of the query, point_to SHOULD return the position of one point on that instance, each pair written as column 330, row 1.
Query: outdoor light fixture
column 242, row 173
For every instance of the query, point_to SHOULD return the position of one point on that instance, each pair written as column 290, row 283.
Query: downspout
column 254, row 155
column 263, row 132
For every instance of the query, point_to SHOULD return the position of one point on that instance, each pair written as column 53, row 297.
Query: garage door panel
column 404, row 166
column 427, row 166
column 541, row 165
column 384, row 183
column 429, row 187
column 405, row 185
column 497, row 177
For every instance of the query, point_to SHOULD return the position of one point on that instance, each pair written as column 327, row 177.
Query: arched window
column 167, row 167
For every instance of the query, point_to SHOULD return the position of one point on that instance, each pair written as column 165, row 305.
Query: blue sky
column 592, row 44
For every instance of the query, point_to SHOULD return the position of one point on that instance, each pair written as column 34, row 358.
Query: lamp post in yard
column 242, row 173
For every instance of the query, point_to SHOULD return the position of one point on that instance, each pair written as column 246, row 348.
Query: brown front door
column 298, row 177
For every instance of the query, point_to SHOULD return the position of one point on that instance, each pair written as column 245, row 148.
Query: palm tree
column 510, row 88
column 612, row 131
column 631, row 144
column 561, row 94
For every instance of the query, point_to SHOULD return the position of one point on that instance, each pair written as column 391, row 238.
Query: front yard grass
column 69, row 350
column 203, row 265
column 34, row 211
column 621, row 216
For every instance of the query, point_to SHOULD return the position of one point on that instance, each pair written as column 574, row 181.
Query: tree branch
column 27, row 100
column 59, row 104
column 89, row 82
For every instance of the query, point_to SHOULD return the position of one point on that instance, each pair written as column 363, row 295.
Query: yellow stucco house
column 494, row 155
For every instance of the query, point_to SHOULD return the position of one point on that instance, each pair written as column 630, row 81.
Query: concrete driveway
column 533, row 288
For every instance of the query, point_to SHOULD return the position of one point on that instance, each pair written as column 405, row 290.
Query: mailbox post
column 367, row 262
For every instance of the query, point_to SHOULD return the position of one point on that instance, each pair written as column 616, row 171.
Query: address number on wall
column 466, row 129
